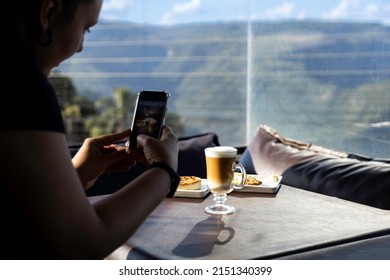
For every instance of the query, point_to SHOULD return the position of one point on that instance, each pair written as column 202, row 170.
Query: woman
column 44, row 212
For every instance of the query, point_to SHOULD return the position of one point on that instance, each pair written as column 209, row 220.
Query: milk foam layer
column 221, row 152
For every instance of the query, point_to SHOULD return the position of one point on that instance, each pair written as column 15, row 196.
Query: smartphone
column 149, row 115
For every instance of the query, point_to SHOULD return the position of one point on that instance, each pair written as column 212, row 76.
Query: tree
column 74, row 108
column 85, row 118
column 113, row 114
column 124, row 102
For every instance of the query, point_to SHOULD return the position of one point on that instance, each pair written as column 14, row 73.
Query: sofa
column 319, row 169
column 303, row 165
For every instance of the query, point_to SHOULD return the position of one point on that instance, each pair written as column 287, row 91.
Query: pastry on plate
column 250, row 180
column 190, row 183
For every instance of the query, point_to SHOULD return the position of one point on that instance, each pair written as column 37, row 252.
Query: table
column 289, row 223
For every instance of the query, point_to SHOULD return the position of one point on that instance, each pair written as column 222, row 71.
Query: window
column 317, row 72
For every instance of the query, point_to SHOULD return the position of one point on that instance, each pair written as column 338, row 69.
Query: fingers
column 122, row 166
column 139, row 157
column 167, row 136
column 113, row 137
column 118, row 160
column 167, row 132
column 129, row 153
column 164, row 150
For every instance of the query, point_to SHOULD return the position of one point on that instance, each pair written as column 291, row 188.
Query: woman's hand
column 99, row 155
column 163, row 150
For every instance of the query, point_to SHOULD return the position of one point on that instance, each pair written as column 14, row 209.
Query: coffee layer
column 220, row 173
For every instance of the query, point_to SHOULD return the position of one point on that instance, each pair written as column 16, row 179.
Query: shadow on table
column 202, row 238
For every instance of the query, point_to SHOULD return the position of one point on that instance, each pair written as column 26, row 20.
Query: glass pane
column 324, row 78
column 317, row 71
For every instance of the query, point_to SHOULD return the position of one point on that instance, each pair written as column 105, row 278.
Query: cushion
column 303, row 165
column 191, row 161
column 272, row 153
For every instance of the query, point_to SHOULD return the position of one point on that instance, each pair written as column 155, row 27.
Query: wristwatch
column 175, row 177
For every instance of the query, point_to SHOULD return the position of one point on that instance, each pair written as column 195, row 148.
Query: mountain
column 300, row 72
column 140, row 55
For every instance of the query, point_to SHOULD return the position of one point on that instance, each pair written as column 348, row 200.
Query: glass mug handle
column 243, row 175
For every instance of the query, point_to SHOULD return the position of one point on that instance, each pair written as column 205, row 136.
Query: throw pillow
column 273, row 153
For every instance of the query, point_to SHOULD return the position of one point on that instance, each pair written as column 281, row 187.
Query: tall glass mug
column 221, row 166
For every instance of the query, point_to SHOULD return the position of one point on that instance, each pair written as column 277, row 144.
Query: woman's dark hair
column 26, row 12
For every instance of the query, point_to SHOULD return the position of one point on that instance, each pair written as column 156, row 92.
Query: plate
column 268, row 185
column 194, row 193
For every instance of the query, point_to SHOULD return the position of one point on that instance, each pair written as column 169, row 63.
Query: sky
column 186, row 11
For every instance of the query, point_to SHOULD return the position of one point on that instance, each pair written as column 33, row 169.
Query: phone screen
column 149, row 115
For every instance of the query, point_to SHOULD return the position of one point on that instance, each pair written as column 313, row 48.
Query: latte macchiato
column 220, row 164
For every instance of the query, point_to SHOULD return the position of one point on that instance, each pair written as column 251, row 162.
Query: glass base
column 220, row 209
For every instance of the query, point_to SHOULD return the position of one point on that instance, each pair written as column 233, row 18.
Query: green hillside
column 304, row 75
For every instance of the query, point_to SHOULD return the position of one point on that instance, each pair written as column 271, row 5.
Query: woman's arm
column 42, row 178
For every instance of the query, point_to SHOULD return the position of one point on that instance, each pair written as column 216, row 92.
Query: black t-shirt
column 27, row 101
